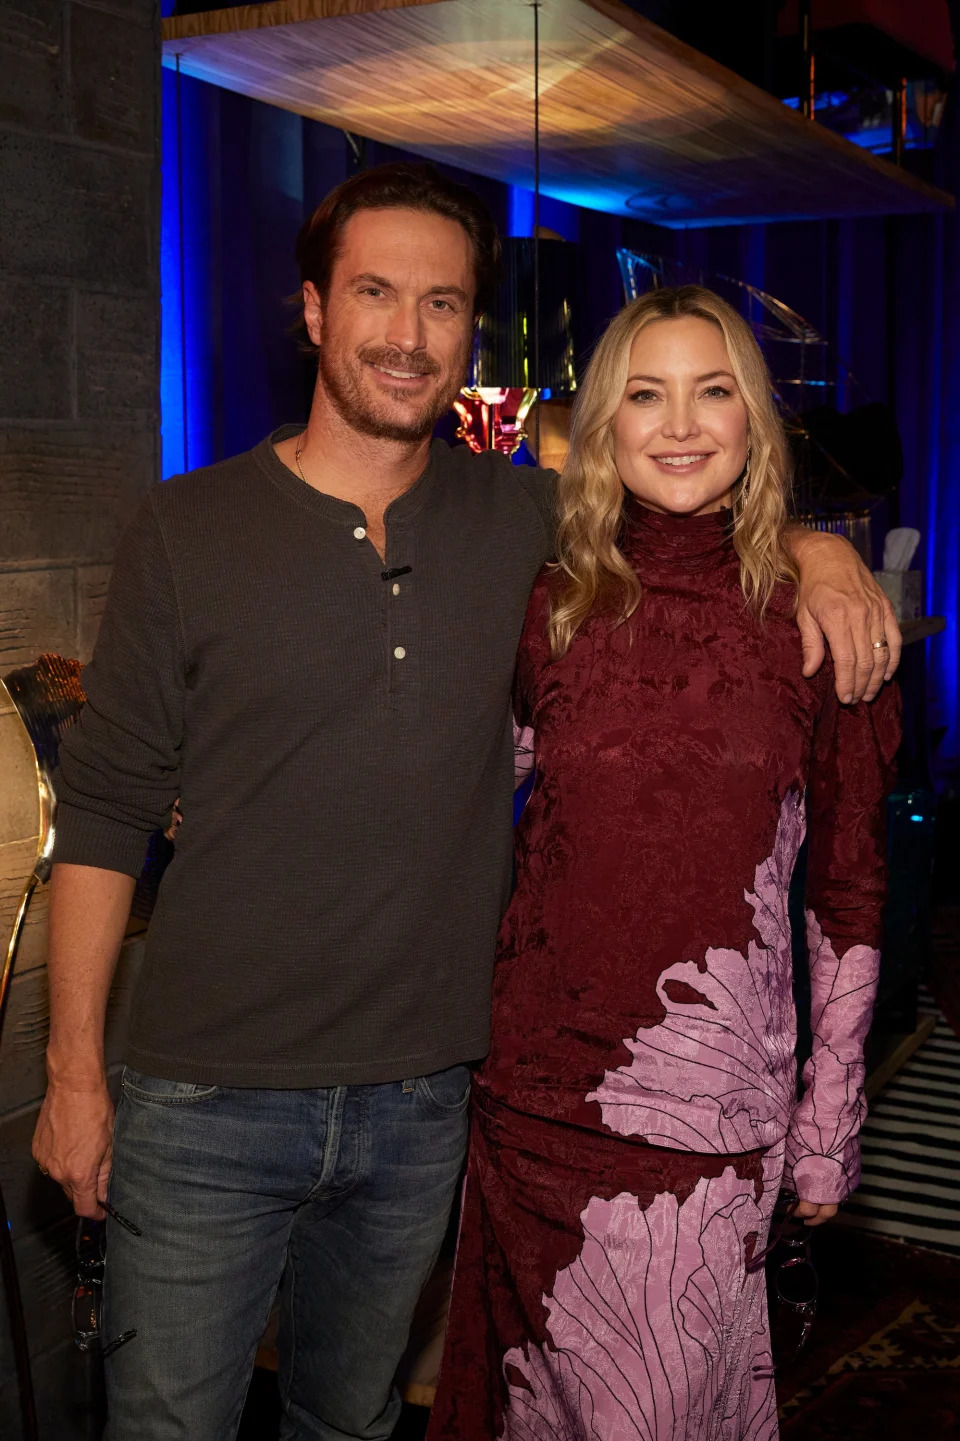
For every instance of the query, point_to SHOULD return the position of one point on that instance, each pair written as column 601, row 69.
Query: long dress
column 638, row 1112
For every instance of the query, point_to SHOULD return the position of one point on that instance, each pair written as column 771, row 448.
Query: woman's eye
column 717, row 392
column 644, row 395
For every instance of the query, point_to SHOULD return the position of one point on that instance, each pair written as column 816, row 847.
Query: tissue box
column 904, row 590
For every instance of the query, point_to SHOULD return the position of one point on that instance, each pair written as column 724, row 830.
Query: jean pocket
column 446, row 1091
column 159, row 1092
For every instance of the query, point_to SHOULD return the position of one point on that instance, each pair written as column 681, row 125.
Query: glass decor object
column 491, row 418
column 507, row 374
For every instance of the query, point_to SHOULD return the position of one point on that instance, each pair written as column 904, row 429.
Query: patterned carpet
column 884, row 1361
column 903, row 1379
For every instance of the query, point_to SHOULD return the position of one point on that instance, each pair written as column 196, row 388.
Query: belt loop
column 409, row 1087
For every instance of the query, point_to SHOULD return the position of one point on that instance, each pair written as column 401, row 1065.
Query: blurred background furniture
column 24, row 828
column 37, row 703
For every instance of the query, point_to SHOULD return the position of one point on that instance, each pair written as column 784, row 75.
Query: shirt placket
column 400, row 583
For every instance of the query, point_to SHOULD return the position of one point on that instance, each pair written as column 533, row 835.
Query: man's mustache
column 395, row 360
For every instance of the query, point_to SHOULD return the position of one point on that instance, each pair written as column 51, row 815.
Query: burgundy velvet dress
column 638, row 1111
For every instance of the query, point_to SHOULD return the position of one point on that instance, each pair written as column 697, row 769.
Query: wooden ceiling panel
column 632, row 120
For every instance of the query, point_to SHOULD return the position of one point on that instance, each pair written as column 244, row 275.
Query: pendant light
column 524, row 344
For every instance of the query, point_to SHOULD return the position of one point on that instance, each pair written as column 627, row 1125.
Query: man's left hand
column 841, row 604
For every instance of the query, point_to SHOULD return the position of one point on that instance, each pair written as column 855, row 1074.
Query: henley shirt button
column 396, row 587
column 399, row 652
column 359, row 533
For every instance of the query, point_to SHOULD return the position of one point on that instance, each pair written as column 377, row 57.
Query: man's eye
column 371, row 290
column 441, row 305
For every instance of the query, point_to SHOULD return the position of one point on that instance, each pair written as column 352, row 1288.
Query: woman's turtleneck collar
column 691, row 542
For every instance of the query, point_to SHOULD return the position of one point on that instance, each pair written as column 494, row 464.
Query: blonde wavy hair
column 595, row 576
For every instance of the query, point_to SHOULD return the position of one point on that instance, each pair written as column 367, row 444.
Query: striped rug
column 911, row 1149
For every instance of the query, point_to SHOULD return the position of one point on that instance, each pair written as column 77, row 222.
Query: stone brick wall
column 79, row 443
column 79, row 314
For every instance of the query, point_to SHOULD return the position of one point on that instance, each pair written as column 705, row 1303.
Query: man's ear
column 312, row 312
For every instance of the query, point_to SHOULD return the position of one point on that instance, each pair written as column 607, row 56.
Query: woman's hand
column 840, row 602
column 813, row 1213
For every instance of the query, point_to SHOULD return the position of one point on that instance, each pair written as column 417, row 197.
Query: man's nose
column 405, row 329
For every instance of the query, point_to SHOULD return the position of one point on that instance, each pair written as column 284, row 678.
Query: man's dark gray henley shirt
column 341, row 743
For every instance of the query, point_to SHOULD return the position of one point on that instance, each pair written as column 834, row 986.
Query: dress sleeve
column 851, row 774
column 523, row 749
column 118, row 769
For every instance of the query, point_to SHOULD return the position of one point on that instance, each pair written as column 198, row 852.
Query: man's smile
column 400, row 374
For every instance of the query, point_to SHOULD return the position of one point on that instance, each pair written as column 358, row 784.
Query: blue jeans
column 338, row 1196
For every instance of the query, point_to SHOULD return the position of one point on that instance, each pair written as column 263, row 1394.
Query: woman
column 637, row 1114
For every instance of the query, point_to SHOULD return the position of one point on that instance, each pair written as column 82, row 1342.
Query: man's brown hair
column 400, row 186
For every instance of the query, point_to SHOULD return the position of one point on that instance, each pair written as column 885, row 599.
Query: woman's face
column 680, row 434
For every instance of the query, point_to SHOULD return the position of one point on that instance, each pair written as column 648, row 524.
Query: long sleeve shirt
column 340, row 739
column 644, row 980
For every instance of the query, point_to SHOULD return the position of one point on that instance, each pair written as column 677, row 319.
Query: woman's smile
column 687, row 462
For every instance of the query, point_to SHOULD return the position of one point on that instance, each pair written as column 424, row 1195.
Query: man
column 313, row 645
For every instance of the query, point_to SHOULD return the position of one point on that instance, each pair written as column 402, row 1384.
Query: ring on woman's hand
column 880, row 644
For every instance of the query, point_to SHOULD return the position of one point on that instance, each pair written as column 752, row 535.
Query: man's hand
column 813, row 1213
column 176, row 820
column 840, row 602
column 73, row 1142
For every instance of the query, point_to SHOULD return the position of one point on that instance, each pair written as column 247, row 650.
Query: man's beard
column 342, row 379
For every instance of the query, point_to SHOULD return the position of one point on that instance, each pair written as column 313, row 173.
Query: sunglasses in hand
column 88, row 1292
column 794, row 1283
